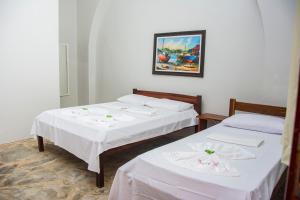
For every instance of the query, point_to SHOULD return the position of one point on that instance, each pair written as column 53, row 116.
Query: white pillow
column 169, row 104
column 135, row 99
column 256, row 122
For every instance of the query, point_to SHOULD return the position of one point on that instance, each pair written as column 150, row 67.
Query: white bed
column 238, row 159
column 85, row 133
column 152, row 176
column 94, row 132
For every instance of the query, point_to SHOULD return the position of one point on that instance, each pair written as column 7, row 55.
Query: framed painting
column 179, row 53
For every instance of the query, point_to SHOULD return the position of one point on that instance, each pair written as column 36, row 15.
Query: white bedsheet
column 150, row 176
column 237, row 138
column 87, row 131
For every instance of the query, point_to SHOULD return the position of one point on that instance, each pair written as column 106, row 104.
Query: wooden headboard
column 195, row 100
column 256, row 108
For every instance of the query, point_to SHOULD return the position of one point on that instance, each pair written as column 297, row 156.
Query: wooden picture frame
column 179, row 53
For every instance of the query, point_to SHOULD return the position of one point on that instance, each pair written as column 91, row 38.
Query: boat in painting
column 190, row 58
column 163, row 57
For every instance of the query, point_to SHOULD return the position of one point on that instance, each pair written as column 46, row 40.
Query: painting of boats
column 163, row 58
column 179, row 53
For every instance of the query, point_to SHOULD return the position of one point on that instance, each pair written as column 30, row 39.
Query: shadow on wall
column 86, row 12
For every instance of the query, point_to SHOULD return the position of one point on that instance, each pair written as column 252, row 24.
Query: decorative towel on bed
column 143, row 110
column 116, row 105
column 227, row 151
column 204, row 162
column 98, row 116
column 75, row 113
column 234, row 138
column 103, row 121
column 102, row 117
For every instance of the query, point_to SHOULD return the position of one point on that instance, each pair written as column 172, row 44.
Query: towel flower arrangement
column 210, row 158
column 98, row 116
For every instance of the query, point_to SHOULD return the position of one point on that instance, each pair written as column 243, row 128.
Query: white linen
column 100, row 121
column 124, row 118
column 256, row 122
column 117, row 105
column 75, row 112
column 201, row 162
column 135, row 99
column 88, row 131
column 142, row 110
column 237, row 138
column 227, row 151
column 169, row 104
column 150, row 176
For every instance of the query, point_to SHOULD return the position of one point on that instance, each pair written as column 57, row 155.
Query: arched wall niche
column 242, row 59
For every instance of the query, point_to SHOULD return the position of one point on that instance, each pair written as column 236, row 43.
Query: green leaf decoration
column 209, row 151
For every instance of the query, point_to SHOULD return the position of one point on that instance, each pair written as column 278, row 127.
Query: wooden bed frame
column 256, row 108
column 261, row 109
column 195, row 100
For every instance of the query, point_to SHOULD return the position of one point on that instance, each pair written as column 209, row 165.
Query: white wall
column 29, row 64
column 85, row 14
column 248, row 49
column 68, row 34
column 277, row 17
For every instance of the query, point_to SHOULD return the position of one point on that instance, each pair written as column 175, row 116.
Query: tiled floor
column 26, row 173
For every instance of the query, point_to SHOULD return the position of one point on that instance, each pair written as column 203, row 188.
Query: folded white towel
column 123, row 117
column 105, row 121
column 235, row 138
column 227, row 151
column 202, row 162
column 116, row 105
column 98, row 111
column 142, row 110
column 75, row 112
column 177, row 156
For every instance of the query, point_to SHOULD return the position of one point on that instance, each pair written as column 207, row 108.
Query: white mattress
column 87, row 140
column 150, row 176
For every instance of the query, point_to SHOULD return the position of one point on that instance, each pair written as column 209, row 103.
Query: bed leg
column 196, row 129
column 100, row 176
column 40, row 143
